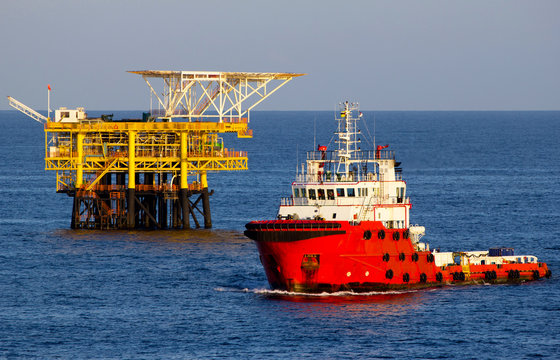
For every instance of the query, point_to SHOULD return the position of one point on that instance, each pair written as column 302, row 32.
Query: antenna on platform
column 49, row 102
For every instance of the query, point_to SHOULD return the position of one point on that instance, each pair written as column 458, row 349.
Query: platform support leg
column 206, row 208
column 205, row 200
column 74, row 209
column 131, row 220
column 185, row 205
column 131, row 209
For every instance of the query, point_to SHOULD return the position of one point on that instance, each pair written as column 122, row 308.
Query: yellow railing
column 111, row 127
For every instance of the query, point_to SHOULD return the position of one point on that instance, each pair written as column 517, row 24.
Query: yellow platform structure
column 146, row 173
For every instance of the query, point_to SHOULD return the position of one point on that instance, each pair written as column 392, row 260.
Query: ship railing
column 395, row 200
column 344, row 201
column 336, row 177
column 322, row 155
column 332, row 155
column 287, row 201
column 300, row 201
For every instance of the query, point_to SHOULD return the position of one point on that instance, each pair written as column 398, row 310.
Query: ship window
column 330, row 194
column 312, row 194
column 303, row 193
column 340, row 192
column 350, row 192
column 296, row 192
column 334, row 215
column 321, row 194
column 364, row 192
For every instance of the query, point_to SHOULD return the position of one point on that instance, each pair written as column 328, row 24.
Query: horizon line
column 368, row 110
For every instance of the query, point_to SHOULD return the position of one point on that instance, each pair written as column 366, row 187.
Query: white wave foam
column 323, row 294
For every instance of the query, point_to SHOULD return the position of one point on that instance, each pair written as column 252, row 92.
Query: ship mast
column 347, row 137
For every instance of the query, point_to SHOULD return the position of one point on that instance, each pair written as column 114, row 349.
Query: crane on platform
column 18, row 105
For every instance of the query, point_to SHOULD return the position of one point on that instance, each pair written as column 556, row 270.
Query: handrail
column 360, row 155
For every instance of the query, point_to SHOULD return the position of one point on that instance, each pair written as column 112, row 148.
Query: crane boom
column 27, row 110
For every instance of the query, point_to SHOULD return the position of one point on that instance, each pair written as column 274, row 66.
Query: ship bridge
column 348, row 183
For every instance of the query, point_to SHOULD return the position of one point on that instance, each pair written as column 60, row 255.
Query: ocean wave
column 269, row 292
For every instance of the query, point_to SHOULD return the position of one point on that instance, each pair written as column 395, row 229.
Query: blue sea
column 476, row 180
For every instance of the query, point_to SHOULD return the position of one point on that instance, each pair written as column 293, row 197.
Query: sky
column 387, row 55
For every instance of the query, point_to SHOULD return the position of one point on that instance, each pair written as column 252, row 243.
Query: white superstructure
column 349, row 184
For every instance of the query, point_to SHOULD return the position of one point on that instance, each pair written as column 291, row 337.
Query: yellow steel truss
column 86, row 151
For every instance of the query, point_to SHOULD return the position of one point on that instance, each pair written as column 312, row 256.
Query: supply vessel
column 346, row 227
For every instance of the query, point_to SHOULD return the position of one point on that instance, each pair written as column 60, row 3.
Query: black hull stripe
column 288, row 236
column 293, row 225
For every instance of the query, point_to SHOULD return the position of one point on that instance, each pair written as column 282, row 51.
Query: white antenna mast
column 314, row 132
column 297, row 160
column 49, row 102
column 373, row 132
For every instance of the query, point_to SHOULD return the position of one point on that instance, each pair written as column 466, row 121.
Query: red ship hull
column 310, row 256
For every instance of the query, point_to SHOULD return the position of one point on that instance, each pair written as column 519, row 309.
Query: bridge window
column 296, row 192
column 312, row 194
column 330, row 194
column 340, row 192
column 321, row 194
column 350, row 192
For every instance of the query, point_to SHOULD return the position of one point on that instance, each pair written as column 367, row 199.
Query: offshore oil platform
column 151, row 173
